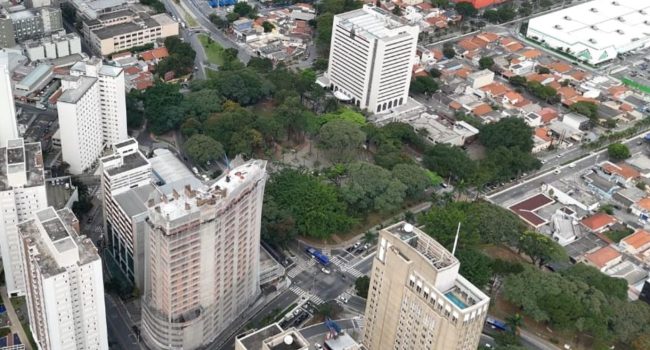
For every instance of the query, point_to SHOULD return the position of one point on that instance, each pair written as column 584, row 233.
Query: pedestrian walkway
column 345, row 267
column 16, row 326
column 306, row 295
column 301, row 265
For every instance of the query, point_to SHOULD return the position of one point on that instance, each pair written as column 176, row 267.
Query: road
column 120, row 333
column 534, row 182
column 215, row 33
column 189, row 36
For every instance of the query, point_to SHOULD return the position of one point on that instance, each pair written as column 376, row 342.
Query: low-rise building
column 603, row 258
column 480, row 78
column 598, row 222
column 23, row 24
column 636, row 242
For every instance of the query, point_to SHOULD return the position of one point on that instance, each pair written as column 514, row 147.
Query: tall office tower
column 9, row 128
column 126, row 186
column 22, row 192
column 371, row 56
column 202, row 258
column 112, row 95
column 80, row 122
column 65, row 297
column 417, row 299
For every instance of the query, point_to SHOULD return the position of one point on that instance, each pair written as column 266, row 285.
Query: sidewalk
column 16, row 326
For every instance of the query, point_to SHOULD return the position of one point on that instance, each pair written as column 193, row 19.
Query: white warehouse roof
column 596, row 30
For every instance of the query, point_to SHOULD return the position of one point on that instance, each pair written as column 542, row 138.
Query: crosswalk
column 344, row 266
column 301, row 265
column 305, row 294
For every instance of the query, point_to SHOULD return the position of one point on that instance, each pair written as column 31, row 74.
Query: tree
column 268, row 26
column 540, row 248
column 475, row 266
column 542, row 70
column 134, row 115
column 341, row 140
column 243, row 86
column 447, row 48
column 414, row 177
column 449, row 162
column 486, row 62
column 243, row 9
column 293, row 117
column 371, row 188
column 586, row 108
column 618, row 151
column 491, row 16
column 508, row 132
column 162, row 107
column 346, row 114
column 203, row 103
column 203, row 149
column 466, row 9
column 518, row 80
column 613, row 287
column 397, row 11
column 218, row 21
column 231, row 17
column 506, row 13
column 314, row 207
column 260, row 65
column 424, row 85
column 435, row 73
column 190, row 127
column 361, row 285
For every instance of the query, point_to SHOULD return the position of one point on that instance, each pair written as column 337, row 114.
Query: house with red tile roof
column 495, row 90
column 541, row 140
column 154, row 55
column 512, row 98
column 560, row 67
column 620, row 172
column 637, row 242
column 548, row 114
column 598, row 222
column 527, row 208
column 488, row 37
column 603, row 258
column 481, row 109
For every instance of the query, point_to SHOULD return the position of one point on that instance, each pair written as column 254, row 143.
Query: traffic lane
column 365, row 266
column 357, row 304
column 118, row 327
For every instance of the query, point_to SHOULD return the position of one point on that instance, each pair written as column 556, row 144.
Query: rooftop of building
column 638, row 239
column 371, row 21
column 60, row 229
column 598, row 221
column 124, row 28
column 74, row 95
column 134, row 201
column 603, row 256
column 20, row 157
column 599, row 24
column 254, row 340
column 129, row 162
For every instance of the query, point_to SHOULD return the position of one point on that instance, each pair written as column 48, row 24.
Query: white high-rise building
column 112, row 96
column 65, row 298
column 371, row 56
column 126, row 186
column 80, row 122
column 202, row 250
column 22, row 192
column 8, row 127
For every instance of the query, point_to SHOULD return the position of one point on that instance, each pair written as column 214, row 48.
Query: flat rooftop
column 123, row 28
column 21, row 157
column 74, row 95
column 599, row 24
column 438, row 256
column 253, row 341
column 60, row 228
column 129, row 162
column 371, row 21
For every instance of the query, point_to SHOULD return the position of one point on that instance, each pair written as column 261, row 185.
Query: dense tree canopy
column 618, row 151
column 242, row 86
column 466, row 9
column 541, row 248
column 424, row 85
column 341, row 140
column 162, row 106
column 508, row 132
column 449, row 162
column 414, row 177
column 372, row 188
column 586, row 108
column 296, row 203
column 203, row 149
column 486, row 62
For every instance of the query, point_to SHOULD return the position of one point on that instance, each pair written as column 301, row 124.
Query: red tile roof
column 526, row 209
column 638, row 239
column 157, row 53
column 598, row 221
column 496, row 89
column 542, row 133
column 622, row 169
column 560, row 67
column 603, row 256
column 547, row 114
column 482, row 109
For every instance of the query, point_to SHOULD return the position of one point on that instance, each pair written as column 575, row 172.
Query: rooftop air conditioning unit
column 620, row 19
column 592, row 40
column 567, row 18
column 557, row 26
column 593, row 9
column 615, row 3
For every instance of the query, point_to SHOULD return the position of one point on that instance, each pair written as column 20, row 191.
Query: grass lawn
column 191, row 22
column 213, row 50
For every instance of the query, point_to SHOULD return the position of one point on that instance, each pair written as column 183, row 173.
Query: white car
column 572, row 165
column 318, row 346
column 326, row 270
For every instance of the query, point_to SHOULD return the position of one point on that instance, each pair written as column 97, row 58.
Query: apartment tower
column 417, row 299
column 9, row 129
column 112, row 97
column 126, row 186
column 202, row 250
column 65, row 297
column 371, row 56
column 22, row 192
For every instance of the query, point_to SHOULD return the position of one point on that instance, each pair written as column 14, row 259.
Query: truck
column 318, row 255
column 221, row 3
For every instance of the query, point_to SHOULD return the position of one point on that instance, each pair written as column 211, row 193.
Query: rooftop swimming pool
column 456, row 300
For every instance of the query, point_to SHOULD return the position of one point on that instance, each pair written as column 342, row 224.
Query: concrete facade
column 417, row 299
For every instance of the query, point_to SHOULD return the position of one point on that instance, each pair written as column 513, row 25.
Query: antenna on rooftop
column 453, row 251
